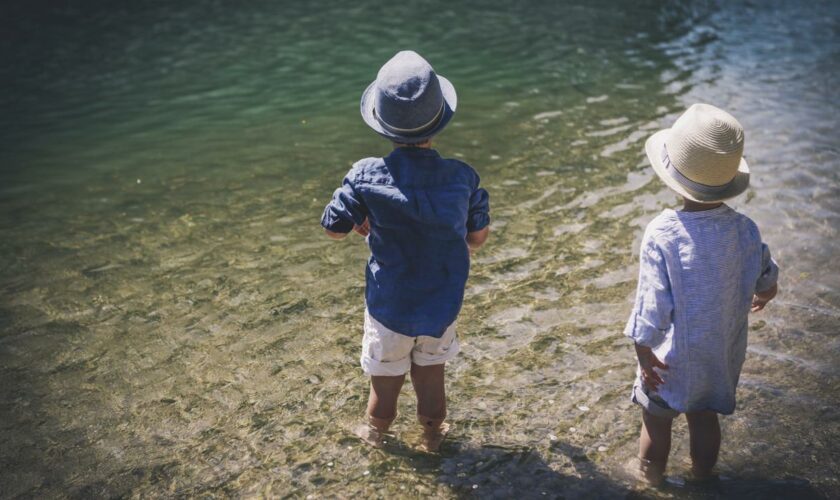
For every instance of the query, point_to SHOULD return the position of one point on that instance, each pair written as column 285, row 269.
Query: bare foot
column 701, row 477
column 432, row 438
column 370, row 435
column 651, row 472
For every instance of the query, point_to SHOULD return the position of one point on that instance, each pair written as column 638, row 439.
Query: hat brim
column 450, row 102
column 739, row 184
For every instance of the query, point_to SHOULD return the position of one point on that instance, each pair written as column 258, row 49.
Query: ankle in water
column 652, row 471
column 702, row 474
column 434, row 432
column 373, row 431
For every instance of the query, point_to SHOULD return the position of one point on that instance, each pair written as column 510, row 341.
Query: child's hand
column 364, row 229
column 476, row 239
column 761, row 299
column 647, row 362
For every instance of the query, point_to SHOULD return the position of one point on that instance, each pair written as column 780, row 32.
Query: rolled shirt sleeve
column 345, row 209
column 652, row 313
column 769, row 271
column 478, row 216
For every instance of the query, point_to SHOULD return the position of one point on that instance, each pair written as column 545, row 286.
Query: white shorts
column 388, row 353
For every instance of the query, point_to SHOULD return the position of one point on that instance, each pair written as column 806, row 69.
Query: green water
column 174, row 323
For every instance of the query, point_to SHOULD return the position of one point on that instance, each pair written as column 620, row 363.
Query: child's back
column 422, row 215
column 702, row 270
column 707, row 264
column 420, row 207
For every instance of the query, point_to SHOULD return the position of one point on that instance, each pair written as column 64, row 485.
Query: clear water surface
column 174, row 323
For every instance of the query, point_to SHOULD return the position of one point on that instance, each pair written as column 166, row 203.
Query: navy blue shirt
column 420, row 207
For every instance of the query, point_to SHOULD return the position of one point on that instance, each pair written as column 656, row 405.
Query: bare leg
column 654, row 446
column 430, row 390
column 429, row 386
column 704, row 433
column 382, row 408
column 384, row 392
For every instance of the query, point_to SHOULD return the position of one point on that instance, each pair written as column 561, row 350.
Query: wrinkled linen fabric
column 697, row 275
column 420, row 207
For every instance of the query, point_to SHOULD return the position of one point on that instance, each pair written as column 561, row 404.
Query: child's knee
column 656, row 423
column 702, row 421
column 702, row 415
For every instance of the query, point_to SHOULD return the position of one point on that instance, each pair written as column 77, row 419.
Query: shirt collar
column 410, row 151
column 702, row 213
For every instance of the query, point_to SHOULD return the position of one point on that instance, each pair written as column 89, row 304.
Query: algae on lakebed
column 172, row 321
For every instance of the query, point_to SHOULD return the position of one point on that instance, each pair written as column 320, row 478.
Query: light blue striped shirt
column 698, row 273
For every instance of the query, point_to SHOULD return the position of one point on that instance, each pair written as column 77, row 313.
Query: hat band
column 410, row 131
column 678, row 176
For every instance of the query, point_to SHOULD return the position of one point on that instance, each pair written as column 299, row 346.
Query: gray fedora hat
column 408, row 103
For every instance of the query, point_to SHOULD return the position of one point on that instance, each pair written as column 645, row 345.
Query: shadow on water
column 191, row 334
column 43, row 449
column 565, row 471
column 499, row 471
column 505, row 472
column 560, row 470
column 732, row 488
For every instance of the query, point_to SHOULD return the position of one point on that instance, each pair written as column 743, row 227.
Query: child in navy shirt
column 422, row 215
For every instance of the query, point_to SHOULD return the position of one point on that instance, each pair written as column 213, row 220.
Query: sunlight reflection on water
column 173, row 322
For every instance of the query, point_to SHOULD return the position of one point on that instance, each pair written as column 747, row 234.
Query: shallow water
column 173, row 322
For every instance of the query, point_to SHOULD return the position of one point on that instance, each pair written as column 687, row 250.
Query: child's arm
column 476, row 239
column 652, row 313
column 760, row 299
column 345, row 212
column 647, row 362
column 364, row 230
column 766, row 287
column 478, row 217
column 334, row 235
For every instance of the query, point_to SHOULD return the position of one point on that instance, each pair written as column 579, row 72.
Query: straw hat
column 700, row 157
column 408, row 102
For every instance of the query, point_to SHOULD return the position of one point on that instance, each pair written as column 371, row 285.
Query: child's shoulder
column 663, row 224
column 671, row 224
column 366, row 168
column 747, row 227
column 465, row 168
column 376, row 170
column 744, row 220
column 458, row 162
column 367, row 163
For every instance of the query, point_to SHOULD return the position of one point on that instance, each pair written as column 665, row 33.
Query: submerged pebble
column 214, row 331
